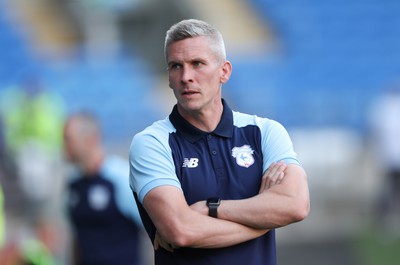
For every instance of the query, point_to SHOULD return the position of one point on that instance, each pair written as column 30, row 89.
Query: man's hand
column 160, row 242
column 273, row 176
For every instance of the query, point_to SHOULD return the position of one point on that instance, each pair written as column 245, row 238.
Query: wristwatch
column 213, row 204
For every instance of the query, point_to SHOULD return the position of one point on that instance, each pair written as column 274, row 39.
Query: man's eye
column 197, row 63
column 174, row 67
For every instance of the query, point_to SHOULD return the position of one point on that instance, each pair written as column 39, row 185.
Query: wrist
column 213, row 204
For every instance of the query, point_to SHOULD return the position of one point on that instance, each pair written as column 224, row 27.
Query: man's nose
column 187, row 75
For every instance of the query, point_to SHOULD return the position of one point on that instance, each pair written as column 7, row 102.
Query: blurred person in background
column 212, row 184
column 32, row 120
column 2, row 218
column 2, row 209
column 385, row 124
column 34, row 247
column 106, row 226
column 28, row 252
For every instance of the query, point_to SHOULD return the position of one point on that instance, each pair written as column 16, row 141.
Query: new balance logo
column 190, row 163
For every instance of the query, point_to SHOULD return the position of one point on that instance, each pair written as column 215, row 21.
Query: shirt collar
column 193, row 134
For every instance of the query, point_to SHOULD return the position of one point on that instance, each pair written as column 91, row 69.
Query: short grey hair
column 87, row 122
column 190, row 28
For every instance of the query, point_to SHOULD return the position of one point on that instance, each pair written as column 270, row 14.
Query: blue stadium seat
column 337, row 55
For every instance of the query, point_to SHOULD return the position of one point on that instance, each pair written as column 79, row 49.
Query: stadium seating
column 336, row 57
column 118, row 89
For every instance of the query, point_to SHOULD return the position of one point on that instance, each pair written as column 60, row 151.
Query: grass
column 376, row 246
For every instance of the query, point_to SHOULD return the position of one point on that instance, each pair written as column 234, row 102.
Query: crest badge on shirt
column 244, row 155
column 98, row 197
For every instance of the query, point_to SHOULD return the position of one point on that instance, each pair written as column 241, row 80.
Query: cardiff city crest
column 244, row 155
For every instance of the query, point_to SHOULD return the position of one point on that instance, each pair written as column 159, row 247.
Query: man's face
column 74, row 144
column 196, row 74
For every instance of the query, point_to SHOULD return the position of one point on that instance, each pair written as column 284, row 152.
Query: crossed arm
column 283, row 199
column 275, row 205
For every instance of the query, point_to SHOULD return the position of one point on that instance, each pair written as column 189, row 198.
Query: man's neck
column 206, row 120
column 93, row 164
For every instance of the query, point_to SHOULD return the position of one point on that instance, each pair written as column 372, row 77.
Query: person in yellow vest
column 2, row 207
column 32, row 125
column 29, row 252
column 32, row 113
column 2, row 219
column 33, row 119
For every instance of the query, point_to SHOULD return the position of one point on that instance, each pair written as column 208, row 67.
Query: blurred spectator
column 29, row 250
column 2, row 218
column 33, row 119
column 385, row 121
column 32, row 113
column 2, row 210
column 101, row 205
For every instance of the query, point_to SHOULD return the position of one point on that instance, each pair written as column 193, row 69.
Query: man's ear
column 226, row 69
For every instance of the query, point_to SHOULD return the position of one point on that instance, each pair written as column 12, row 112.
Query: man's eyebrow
column 172, row 62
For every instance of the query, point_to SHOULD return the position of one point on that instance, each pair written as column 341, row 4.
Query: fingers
column 168, row 247
column 273, row 176
column 277, row 174
column 160, row 242
column 156, row 243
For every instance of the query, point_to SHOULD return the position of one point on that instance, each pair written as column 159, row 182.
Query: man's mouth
column 189, row 92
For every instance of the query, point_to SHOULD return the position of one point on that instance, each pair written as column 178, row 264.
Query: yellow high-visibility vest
column 2, row 219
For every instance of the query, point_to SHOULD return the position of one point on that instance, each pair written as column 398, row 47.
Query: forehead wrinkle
column 182, row 49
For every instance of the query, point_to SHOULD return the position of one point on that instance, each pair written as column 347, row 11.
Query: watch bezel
column 213, row 204
column 214, row 201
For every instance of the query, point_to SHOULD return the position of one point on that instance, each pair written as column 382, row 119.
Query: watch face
column 213, row 201
column 213, row 204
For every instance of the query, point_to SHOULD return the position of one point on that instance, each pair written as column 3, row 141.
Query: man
column 213, row 184
column 385, row 131
column 100, row 202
